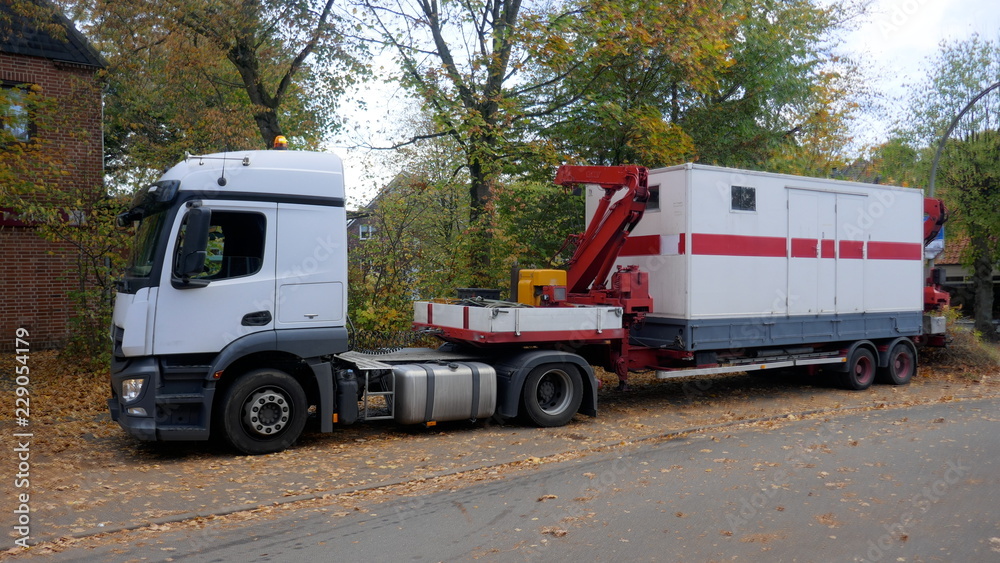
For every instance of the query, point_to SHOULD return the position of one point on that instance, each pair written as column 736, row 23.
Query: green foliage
column 421, row 237
column 536, row 218
column 779, row 52
column 416, row 228
column 731, row 83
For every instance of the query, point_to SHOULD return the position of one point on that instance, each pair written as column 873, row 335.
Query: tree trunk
column 479, row 221
column 982, row 283
column 267, row 123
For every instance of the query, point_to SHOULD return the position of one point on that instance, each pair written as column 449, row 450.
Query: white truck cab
column 238, row 257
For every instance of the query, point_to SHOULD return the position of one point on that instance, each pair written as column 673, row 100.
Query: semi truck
column 230, row 319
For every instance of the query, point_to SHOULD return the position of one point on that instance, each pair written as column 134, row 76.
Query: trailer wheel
column 552, row 394
column 860, row 369
column 901, row 367
column 264, row 411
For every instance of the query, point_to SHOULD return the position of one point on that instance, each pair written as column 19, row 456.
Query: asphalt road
column 915, row 484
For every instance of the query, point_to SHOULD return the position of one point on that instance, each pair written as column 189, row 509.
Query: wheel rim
column 901, row 364
column 266, row 412
column 864, row 369
column 553, row 392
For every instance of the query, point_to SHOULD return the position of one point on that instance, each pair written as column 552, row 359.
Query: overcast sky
column 900, row 35
column 895, row 43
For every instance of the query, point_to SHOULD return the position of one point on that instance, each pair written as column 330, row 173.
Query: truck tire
column 860, row 370
column 264, row 411
column 901, row 367
column 552, row 394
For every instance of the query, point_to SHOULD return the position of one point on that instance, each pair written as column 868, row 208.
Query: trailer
column 231, row 317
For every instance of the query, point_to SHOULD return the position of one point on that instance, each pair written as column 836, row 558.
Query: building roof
column 24, row 34
column 953, row 248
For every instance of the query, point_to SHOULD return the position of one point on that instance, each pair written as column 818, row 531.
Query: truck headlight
column 131, row 388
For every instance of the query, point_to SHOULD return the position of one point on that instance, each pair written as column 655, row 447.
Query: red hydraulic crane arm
column 935, row 216
column 598, row 247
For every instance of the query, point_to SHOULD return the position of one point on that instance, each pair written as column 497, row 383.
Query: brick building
column 58, row 145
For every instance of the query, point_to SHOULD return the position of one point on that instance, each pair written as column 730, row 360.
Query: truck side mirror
column 191, row 260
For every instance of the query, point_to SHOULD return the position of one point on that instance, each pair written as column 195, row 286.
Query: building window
column 365, row 232
column 14, row 119
column 744, row 198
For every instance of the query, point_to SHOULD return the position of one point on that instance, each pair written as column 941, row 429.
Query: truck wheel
column 901, row 367
column 860, row 370
column 263, row 412
column 552, row 394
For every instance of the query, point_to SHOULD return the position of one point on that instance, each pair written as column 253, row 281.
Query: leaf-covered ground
column 87, row 475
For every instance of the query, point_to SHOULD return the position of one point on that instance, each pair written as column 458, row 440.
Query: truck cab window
column 235, row 245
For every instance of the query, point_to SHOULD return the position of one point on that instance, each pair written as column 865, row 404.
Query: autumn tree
column 821, row 142
column 969, row 172
column 645, row 63
column 194, row 76
column 493, row 72
column 729, row 82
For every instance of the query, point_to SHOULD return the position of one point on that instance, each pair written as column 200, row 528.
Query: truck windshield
column 143, row 256
column 149, row 207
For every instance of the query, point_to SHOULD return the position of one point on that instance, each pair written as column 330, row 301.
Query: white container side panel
column 788, row 246
column 737, row 286
column 812, row 216
column 711, row 210
column 890, row 285
column 667, row 220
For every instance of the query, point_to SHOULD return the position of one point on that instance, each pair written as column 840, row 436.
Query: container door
column 804, row 248
column 812, row 268
column 852, row 236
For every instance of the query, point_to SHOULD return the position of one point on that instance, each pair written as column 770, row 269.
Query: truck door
column 239, row 296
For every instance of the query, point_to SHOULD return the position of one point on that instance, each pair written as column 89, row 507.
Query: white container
column 741, row 258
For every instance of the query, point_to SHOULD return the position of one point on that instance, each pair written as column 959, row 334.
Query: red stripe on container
column 805, row 248
column 852, row 249
column 647, row 245
column 738, row 245
column 895, row 251
column 828, row 248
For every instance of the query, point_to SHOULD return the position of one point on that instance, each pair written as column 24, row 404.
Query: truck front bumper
column 174, row 406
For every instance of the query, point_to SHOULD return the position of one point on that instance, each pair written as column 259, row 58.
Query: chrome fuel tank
column 444, row 391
